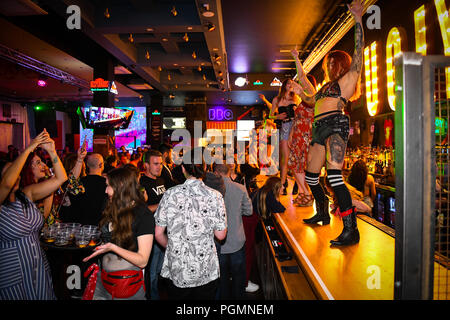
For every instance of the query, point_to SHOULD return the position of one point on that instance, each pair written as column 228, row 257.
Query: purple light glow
column 41, row 83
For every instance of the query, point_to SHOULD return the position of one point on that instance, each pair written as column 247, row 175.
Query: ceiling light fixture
column 150, row 29
column 169, row 77
column 194, row 55
column 199, row 68
column 159, row 68
column 147, row 55
column 174, row 11
column 204, row 77
column 217, row 57
column 185, row 37
column 131, row 38
column 206, row 12
column 107, row 15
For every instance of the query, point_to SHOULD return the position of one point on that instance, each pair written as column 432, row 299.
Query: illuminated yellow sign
column 444, row 23
column 420, row 30
column 393, row 49
column 370, row 66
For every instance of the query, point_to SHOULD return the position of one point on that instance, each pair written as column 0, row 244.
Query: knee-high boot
column 350, row 233
column 322, row 213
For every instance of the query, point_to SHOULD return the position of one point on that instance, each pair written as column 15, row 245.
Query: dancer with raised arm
column 331, row 128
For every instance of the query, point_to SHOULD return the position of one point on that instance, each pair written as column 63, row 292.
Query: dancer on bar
column 284, row 104
column 331, row 128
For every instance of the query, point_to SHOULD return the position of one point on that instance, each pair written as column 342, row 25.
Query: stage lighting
column 42, row 81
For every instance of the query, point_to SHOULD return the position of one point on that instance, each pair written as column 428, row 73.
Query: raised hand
column 81, row 153
column 48, row 145
column 39, row 139
column 356, row 9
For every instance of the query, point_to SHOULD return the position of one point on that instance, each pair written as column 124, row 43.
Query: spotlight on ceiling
column 171, row 96
column 206, row 12
column 240, row 81
column 106, row 13
column 210, row 27
column 174, row 11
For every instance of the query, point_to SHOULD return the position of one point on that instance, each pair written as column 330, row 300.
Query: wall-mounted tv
column 174, row 123
column 105, row 118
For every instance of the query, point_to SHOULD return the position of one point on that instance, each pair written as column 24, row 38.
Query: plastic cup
column 82, row 239
column 62, row 237
column 95, row 238
column 50, row 234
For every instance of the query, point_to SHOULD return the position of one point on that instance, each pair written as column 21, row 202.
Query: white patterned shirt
column 191, row 212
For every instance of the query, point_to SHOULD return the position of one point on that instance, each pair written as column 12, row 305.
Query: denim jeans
column 156, row 262
column 232, row 265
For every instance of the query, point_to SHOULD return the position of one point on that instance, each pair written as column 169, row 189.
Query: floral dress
column 301, row 138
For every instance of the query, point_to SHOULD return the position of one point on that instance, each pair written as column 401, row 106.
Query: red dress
column 301, row 138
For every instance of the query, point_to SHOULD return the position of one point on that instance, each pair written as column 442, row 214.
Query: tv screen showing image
column 133, row 136
column 105, row 118
column 172, row 123
column 244, row 127
column 380, row 207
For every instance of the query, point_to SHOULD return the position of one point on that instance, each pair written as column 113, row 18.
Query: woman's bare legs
column 284, row 154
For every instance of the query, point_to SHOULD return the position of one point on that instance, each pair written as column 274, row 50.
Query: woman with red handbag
column 127, row 228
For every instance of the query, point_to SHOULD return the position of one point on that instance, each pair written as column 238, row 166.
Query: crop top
column 331, row 90
column 289, row 110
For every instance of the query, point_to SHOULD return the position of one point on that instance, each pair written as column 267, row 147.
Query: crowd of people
column 190, row 228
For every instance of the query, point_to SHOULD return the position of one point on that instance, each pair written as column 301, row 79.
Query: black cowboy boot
column 322, row 214
column 350, row 233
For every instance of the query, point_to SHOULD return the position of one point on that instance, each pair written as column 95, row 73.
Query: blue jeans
column 232, row 265
column 156, row 262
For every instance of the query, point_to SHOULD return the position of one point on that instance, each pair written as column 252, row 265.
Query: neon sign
column 100, row 84
column 275, row 82
column 420, row 30
column 370, row 64
column 220, row 114
column 258, row 83
column 393, row 49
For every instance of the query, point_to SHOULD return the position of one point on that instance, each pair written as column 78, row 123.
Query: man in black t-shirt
column 90, row 205
column 166, row 173
column 155, row 187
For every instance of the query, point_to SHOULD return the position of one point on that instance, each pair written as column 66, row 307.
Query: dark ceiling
column 166, row 45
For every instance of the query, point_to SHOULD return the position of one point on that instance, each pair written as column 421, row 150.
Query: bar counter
column 364, row 271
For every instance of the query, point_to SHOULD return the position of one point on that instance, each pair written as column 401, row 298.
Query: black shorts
column 325, row 127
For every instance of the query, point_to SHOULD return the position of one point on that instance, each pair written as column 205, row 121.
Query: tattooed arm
column 349, row 80
column 304, row 88
column 41, row 190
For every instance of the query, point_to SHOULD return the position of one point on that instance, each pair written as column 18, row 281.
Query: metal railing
column 419, row 274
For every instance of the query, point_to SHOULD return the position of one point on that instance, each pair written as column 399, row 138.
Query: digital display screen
column 132, row 137
column 105, row 118
column 174, row 123
column 244, row 127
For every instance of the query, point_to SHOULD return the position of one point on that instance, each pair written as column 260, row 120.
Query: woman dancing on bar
column 284, row 104
column 331, row 128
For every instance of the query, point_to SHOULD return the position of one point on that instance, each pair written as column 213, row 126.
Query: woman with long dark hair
column 364, row 182
column 284, row 104
column 266, row 200
column 127, row 228
column 331, row 128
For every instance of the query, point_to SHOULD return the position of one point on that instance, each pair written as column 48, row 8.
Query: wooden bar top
column 364, row 271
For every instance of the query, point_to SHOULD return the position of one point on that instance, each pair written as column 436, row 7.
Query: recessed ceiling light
column 190, row 28
column 206, row 12
column 150, row 29
column 165, row 39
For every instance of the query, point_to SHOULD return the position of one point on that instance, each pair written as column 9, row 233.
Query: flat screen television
column 174, row 123
column 105, row 118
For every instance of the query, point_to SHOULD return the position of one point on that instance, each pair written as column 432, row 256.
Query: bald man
column 92, row 202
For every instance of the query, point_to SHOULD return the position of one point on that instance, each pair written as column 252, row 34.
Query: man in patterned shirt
column 193, row 214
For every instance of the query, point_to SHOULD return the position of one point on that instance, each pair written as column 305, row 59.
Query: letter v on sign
column 444, row 23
